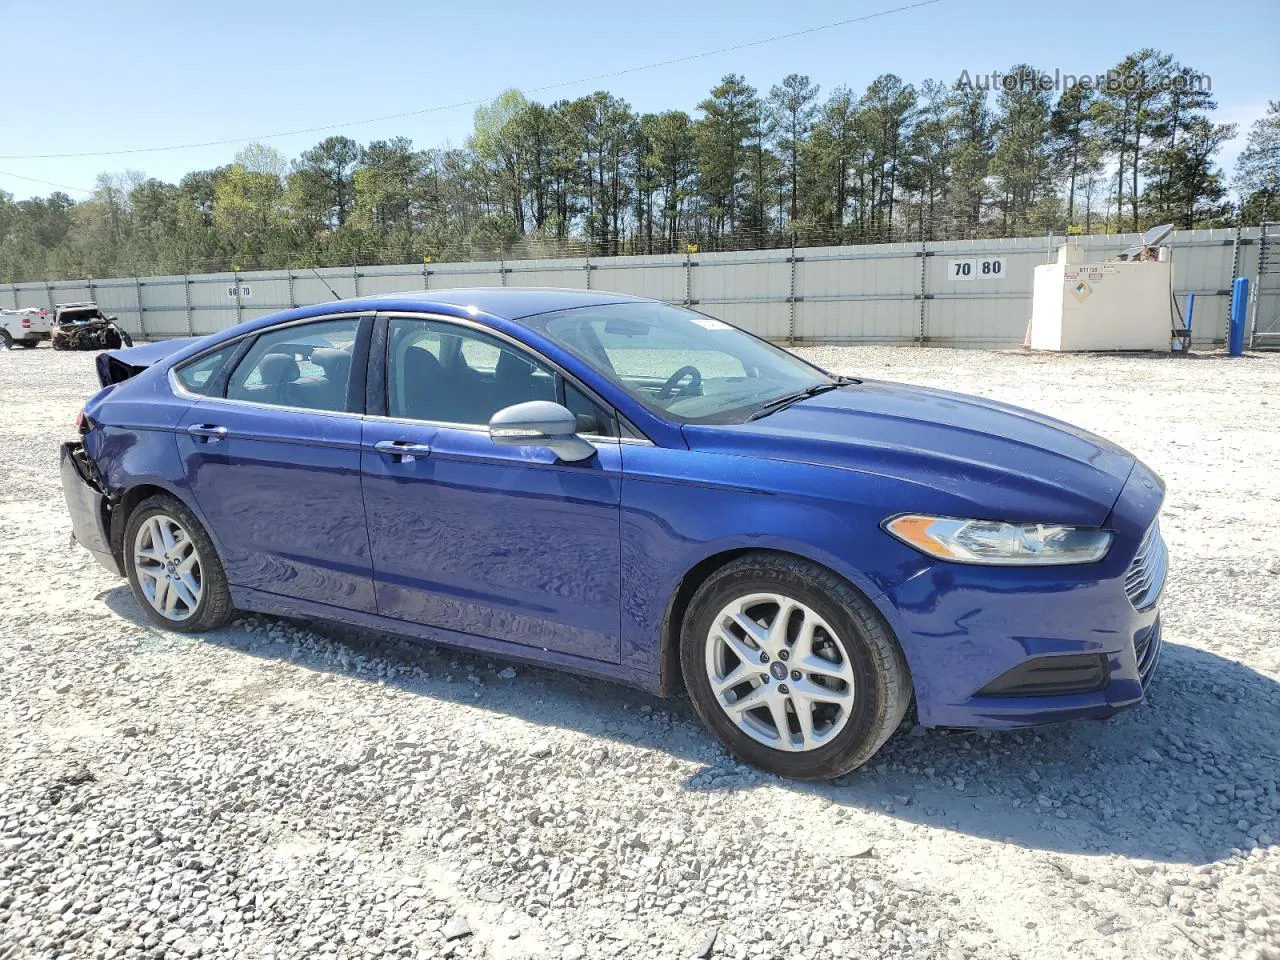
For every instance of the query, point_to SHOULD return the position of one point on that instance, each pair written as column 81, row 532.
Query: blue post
column 1239, row 301
column 1191, row 308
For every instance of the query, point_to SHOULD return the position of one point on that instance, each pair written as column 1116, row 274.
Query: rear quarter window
column 199, row 375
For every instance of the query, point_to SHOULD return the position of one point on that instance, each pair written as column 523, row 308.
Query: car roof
column 505, row 305
column 508, row 303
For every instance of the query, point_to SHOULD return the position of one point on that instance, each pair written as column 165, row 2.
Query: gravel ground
column 280, row 789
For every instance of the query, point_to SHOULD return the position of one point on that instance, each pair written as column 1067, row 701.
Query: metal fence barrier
column 883, row 293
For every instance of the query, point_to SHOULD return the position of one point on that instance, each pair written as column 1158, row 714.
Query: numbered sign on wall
column 243, row 290
column 984, row 268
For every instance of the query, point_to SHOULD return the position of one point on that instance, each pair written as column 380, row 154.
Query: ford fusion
column 637, row 493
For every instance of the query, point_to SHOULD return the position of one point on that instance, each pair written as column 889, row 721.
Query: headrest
column 334, row 362
column 451, row 351
column 512, row 365
column 420, row 363
column 278, row 368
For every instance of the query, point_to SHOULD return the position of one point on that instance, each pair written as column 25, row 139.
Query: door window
column 305, row 366
column 592, row 418
column 452, row 374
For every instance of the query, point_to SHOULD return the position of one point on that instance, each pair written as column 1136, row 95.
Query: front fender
column 681, row 507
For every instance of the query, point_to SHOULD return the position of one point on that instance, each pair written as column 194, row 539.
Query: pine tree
column 790, row 114
column 673, row 159
column 1021, row 162
column 1075, row 141
column 730, row 114
column 971, row 126
column 1258, row 168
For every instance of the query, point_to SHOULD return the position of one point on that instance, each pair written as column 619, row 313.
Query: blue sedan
column 638, row 493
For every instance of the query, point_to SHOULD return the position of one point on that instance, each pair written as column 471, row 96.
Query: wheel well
column 672, row 679
column 121, row 510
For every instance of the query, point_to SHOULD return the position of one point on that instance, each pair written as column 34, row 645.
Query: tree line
column 1004, row 156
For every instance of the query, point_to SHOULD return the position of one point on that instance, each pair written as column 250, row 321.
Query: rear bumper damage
column 88, row 506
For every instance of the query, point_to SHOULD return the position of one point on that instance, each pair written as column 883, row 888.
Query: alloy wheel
column 168, row 567
column 779, row 672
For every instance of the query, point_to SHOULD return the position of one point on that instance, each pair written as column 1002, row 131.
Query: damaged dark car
column 83, row 326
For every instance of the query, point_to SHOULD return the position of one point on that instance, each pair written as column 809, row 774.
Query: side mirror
column 540, row 423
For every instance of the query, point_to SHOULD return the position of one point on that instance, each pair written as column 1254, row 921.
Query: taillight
column 83, row 423
column 26, row 323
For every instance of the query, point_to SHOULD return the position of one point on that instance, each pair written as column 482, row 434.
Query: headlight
column 1000, row 544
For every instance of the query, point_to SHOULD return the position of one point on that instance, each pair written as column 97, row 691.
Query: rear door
column 507, row 543
column 274, row 464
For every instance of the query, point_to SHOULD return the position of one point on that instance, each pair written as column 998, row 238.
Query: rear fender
column 133, row 463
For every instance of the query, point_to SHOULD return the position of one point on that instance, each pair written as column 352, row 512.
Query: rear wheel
column 173, row 568
column 792, row 668
column 6, row 341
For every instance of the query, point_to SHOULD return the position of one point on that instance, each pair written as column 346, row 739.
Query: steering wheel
column 673, row 381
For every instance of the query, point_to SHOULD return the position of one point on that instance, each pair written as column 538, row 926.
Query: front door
column 274, row 465
column 507, row 543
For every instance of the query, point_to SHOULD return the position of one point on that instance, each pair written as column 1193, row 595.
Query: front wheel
column 173, row 568
column 792, row 668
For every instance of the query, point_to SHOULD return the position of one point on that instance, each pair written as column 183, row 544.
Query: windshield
column 80, row 315
column 681, row 365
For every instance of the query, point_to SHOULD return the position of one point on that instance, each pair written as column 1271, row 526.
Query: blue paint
column 1239, row 306
column 282, row 490
column 510, row 551
column 501, row 542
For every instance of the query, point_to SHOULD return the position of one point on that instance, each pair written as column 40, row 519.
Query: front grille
column 1147, row 649
column 1145, row 577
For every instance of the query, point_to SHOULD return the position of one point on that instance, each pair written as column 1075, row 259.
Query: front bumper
column 87, row 505
column 965, row 628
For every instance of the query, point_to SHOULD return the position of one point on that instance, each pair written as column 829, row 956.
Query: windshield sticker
column 710, row 323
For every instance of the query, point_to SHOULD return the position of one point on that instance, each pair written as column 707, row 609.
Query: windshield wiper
column 780, row 403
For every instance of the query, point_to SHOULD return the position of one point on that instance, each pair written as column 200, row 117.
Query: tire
column 6, row 341
column 213, row 607
column 125, row 339
column 850, row 716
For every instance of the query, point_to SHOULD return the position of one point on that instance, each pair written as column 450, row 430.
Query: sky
column 139, row 74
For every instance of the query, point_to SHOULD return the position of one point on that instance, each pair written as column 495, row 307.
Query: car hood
column 990, row 459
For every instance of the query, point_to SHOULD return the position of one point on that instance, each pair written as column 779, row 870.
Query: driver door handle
column 207, row 432
column 403, row 451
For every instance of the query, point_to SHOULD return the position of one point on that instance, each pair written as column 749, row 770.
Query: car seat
column 276, row 371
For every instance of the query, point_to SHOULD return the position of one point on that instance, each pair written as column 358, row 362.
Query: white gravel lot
column 280, row 789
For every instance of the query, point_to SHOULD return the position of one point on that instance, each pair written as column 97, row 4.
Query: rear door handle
column 207, row 432
column 403, row 450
